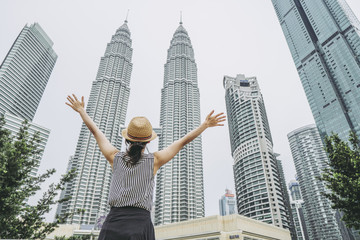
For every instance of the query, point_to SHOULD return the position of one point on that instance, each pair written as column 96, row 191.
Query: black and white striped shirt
column 132, row 186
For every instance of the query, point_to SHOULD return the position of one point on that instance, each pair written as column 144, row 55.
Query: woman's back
column 132, row 185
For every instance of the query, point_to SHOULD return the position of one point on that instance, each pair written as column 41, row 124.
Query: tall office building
column 24, row 74
column 179, row 186
column 227, row 203
column 322, row 222
column 324, row 40
column 257, row 181
column 107, row 106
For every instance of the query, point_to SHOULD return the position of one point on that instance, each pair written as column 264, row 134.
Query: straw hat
column 139, row 130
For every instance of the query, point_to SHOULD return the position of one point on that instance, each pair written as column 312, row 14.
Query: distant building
column 257, row 180
column 295, row 192
column 227, row 203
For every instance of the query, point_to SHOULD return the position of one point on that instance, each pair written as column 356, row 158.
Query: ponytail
column 134, row 151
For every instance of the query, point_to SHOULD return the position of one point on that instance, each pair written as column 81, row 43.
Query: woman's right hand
column 75, row 104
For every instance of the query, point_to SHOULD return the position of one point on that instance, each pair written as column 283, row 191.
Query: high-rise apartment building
column 179, row 186
column 257, row 181
column 322, row 222
column 324, row 40
column 24, row 74
column 14, row 123
column 227, row 203
column 107, row 106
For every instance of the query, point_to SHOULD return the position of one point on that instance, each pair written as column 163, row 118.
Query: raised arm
column 165, row 155
column 105, row 146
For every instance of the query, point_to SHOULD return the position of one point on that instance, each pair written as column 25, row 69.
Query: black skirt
column 127, row 223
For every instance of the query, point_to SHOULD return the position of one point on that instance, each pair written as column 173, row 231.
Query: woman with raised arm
column 132, row 183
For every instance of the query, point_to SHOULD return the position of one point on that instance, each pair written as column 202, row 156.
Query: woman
column 131, row 189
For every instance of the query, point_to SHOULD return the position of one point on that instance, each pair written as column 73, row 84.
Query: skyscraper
column 227, row 203
column 179, row 186
column 324, row 39
column 322, row 222
column 24, row 74
column 107, row 106
column 257, row 180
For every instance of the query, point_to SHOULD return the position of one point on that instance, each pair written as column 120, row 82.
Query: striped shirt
column 132, row 186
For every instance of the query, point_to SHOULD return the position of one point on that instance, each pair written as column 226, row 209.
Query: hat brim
column 126, row 136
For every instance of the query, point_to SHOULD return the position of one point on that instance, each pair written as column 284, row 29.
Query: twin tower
column 179, row 186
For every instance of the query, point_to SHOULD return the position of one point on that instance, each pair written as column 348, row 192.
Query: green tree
column 18, row 156
column 342, row 177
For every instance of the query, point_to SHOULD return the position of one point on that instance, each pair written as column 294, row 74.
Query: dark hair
column 134, row 151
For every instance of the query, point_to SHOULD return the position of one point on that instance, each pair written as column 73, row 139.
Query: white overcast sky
column 228, row 36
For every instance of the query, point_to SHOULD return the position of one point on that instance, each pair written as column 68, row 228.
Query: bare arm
column 165, row 155
column 105, row 146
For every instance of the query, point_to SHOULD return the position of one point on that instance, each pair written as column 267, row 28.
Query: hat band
column 139, row 138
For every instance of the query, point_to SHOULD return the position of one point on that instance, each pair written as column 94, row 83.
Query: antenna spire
column 127, row 14
column 181, row 17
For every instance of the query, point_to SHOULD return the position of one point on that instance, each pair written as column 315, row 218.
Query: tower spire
column 181, row 17
column 127, row 15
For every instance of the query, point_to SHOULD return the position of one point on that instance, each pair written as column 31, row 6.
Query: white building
column 107, row 106
column 257, row 181
column 227, row 203
column 179, row 186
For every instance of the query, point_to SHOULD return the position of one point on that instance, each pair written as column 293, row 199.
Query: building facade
column 179, row 186
column 324, row 40
column 25, row 71
column 227, row 203
column 13, row 124
column 107, row 106
column 257, row 180
column 295, row 191
column 322, row 222
column 24, row 74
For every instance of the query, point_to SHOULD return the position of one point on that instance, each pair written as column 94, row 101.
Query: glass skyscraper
column 324, row 40
column 322, row 222
column 257, row 180
column 24, row 74
column 179, row 186
column 107, row 106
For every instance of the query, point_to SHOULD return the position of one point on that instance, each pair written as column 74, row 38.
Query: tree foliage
column 342, row 177
column 18, row 156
